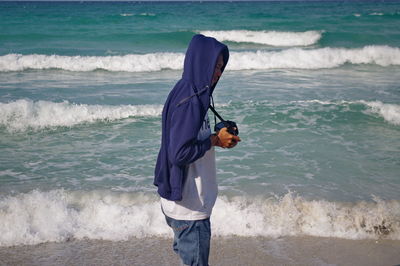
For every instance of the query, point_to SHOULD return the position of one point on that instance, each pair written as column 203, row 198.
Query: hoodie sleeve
column 184, row 148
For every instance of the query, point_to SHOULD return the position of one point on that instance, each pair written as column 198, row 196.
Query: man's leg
column 191, row 240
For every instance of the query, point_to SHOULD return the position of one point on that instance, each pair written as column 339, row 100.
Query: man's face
column 218, row 71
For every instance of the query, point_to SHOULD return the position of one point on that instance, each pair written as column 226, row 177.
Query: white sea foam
column 376, row 14
column 297, row 58
column 24, row 114
column 273, row 38
column 58, row 215
column 293, row 58
column 389, row 112
column 147, row 14
column 129, row 63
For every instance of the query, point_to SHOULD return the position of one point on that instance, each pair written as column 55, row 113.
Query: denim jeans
column 191, row 240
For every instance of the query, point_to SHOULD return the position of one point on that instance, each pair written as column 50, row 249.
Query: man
column 185, row 171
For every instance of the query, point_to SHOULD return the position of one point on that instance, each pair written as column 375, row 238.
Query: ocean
column 313, row 86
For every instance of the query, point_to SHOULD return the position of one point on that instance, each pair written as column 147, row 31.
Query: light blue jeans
column 191, row 240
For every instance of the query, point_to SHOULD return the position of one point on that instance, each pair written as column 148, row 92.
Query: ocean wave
column 58, row 215
column 129, row 63
column 293, row 58
column 376, row 14
column 389, row 112
column 24, row 114
column 141, row 14
column 147, row 14
column 272, row 38
column 296, row 58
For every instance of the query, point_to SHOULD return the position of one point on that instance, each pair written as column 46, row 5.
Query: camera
column 230, row 125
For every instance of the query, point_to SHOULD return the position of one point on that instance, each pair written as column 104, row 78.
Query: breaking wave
column 296, row 58
column 272, row 38
column 129, row 63
column 58, row 215
column 389, row 112
column 293, row 58
column 24, row 114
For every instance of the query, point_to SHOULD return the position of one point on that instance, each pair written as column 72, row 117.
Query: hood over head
column 200, row 61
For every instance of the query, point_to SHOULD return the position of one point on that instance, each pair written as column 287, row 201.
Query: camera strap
column 215, row 112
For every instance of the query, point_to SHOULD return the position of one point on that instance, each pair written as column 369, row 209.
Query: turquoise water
column 86, row 28
column 313, row 87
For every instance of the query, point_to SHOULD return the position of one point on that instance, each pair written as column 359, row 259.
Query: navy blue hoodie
column 183, row 115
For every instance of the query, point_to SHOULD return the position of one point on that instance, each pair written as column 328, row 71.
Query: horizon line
column 138, row 1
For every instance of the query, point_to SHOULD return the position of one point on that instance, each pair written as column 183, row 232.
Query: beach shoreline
column 312, row 85
column 303, row 250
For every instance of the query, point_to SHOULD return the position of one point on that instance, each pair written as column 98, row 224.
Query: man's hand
column 224, row 139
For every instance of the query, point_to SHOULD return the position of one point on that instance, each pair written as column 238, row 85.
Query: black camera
column 230, row 125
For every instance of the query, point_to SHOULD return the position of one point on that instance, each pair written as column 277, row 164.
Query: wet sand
column 225, row 251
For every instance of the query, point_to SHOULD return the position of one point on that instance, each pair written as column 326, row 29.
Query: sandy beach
column 225, row 251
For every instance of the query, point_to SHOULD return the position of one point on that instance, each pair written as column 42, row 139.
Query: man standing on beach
column 185, row 172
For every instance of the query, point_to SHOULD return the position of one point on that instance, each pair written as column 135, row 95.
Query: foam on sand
column 58, row 215
column 272, row 38
column 25, row 114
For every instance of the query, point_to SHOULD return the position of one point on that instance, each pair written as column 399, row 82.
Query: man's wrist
column 214, row 139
